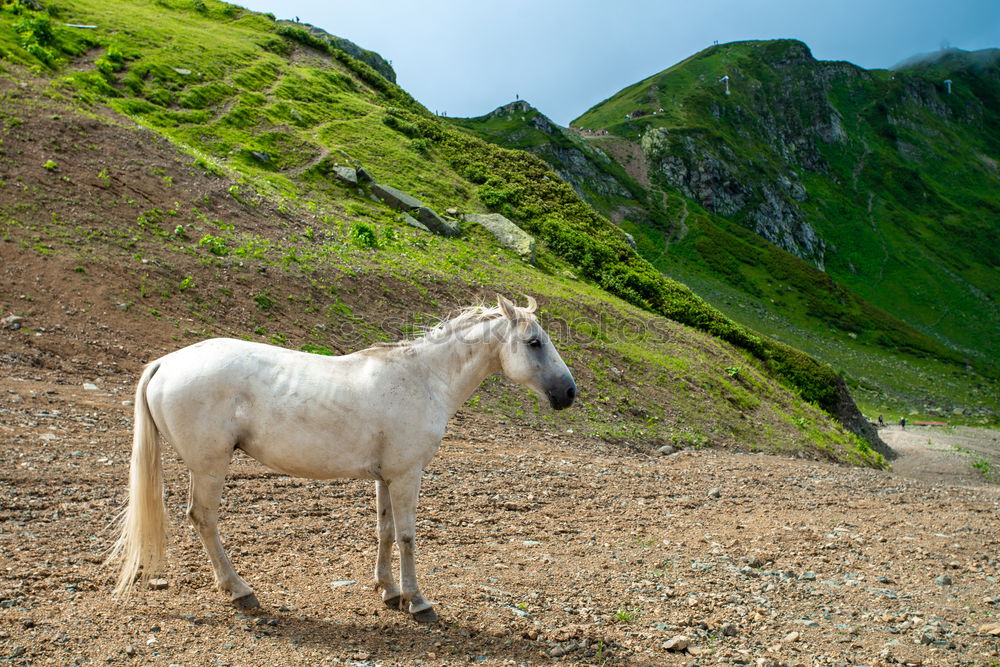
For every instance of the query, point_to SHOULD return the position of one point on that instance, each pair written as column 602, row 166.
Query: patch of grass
column 984, row 466
column 627, row 614
column 318, row 349
column 214, row 244
column 264, row 301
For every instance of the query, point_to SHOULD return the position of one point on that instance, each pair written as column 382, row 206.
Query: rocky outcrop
column 714, row 178
column 374, row 60
column 507, row 233
column 347, row 175
column 520, row 106
column 581, row 170
column 413, row 222
column 415, row 209
column 784, row 109
column 847, row 413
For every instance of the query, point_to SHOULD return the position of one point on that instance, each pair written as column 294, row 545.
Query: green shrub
column 35, row 30
column 364, row 235
column 304, row 37
column 214, row 244
column 264, row 301
column 112, row 61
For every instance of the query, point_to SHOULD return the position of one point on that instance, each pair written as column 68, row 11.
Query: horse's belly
column 306, row 457
column 349, row 453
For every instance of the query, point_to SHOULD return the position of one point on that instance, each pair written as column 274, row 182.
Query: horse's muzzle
column 562, row 398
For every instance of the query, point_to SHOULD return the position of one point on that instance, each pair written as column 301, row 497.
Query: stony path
column 946, row 454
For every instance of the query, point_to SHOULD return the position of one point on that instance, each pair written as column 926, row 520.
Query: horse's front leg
column 404, row 492
column 384, row 580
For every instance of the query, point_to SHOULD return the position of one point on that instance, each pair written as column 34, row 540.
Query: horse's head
column 528, row 357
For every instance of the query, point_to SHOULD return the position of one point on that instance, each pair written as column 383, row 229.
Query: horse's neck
column 461, row 361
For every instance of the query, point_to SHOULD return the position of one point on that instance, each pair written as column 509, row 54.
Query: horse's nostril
column 570, row 393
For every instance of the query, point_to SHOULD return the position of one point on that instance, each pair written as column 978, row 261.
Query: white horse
column 376, row 414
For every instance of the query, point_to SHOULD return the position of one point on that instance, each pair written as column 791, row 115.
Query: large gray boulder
column 348, row 175
column 507, row 233
column 415, row 210
column 435, row 222
column 394, row 198
column 413, row 222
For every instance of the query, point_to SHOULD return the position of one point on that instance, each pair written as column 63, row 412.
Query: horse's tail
column 140, row 550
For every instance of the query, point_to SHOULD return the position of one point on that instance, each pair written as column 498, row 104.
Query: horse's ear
column 507, row 308
column 532, row 304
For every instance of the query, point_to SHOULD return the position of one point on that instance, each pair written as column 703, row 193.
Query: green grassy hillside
column 273, row 108
column 800, row 205
column 892, row 175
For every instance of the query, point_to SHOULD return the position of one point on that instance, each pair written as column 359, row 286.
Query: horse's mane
column 464, row 319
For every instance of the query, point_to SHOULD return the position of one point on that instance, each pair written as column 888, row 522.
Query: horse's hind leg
column 203, row 510
column 404, row 492
column 386, row 535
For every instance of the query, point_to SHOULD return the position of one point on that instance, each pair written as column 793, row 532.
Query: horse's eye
column 534, row 342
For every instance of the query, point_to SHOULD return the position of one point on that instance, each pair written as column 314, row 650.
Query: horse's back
column 238, row 365
column 242, row 379
column 225, row 354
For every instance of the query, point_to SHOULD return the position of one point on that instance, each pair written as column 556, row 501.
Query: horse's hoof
column 392, row 603
column 246, row 602
column 426, row 616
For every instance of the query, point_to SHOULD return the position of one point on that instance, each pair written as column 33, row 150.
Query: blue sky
column 467, row 57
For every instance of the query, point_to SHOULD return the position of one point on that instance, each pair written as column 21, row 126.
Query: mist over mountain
column 982, row 58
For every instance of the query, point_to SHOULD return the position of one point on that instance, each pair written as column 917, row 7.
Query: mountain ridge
column 788, row 172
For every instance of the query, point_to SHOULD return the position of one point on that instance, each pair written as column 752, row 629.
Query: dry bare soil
column 536, row 547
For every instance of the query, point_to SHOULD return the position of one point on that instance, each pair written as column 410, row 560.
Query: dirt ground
column 536, row 547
